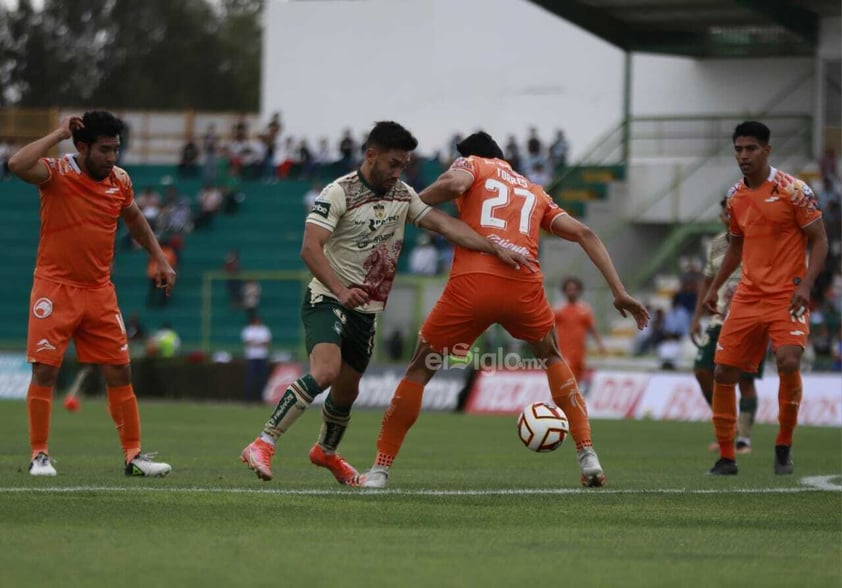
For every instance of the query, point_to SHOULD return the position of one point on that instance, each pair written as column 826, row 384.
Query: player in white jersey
column 352, row 240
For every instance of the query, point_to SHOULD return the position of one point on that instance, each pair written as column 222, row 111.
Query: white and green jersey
column 716, row 253
column 367, row 235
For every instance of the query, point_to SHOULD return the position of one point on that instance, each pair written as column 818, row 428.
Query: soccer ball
column 542, row 426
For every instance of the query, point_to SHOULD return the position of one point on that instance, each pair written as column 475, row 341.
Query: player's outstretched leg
column 258, row 454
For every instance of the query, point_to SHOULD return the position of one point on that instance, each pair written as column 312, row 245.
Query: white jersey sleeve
column 329, row 207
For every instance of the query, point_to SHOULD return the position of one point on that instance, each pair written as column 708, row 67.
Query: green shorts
column 327, row 321
column 704, row 356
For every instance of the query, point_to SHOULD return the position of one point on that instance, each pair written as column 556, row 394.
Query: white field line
column 810, row 484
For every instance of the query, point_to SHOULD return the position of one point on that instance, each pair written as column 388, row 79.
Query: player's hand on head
column 626, row 305
column 69, row 124
column 353, row 297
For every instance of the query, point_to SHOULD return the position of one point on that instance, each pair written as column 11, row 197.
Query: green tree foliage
column 132, row 54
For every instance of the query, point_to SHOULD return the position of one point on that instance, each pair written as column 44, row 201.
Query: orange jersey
column 573, row 322
column 505, row 207
column 78, row 223
column 774, row 243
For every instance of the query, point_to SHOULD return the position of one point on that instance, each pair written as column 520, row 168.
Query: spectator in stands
column 539, row 174
column 269, row 137
column 651, row 336
column 677, row 320
column 323, row 157
column 245, row 154
column 534, row 151
column 347, row 152
column 829, row 193
column 256, row 340
column 5, row 154
column 310, row 196
column 209, row 201
column 829, row 165
column 231, row 266
column 287, row 159
column 690, row 273
column 424, row 258
column 175, row 216
column 210, row 146
column 251, row 297
column 232, row 192
column 188, row 166
column 558, row 151
column 149, row 202
column 512, row 152
column 306, row 162
column 412, row 174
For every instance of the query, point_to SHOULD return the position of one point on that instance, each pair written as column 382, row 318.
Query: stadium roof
column 702, row 28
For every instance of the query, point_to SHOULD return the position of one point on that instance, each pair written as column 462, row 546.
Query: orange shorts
column 91, row 317
column 750, row 325
column 471, row 303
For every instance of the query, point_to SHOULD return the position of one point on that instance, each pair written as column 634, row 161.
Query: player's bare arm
column 695, row 323
column 26, row 163
column 730, row 263
column 448, row 186
column 570, row 229
column 142, row 233
column 312, row 253
column 457, row 232
column 817, row 244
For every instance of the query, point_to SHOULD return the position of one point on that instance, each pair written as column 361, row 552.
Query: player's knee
column 726, row 374
column 325, row 372
column 44, row 375
column 117, row 375
column 788, row 362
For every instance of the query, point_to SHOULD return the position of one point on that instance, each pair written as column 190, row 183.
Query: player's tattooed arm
column 449, row 186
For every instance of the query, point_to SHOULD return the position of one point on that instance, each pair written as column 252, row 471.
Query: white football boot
column 592, row 474
column 41, row 465
column 143, row 465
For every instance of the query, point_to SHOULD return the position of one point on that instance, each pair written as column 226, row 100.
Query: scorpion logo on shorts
column 42, row 308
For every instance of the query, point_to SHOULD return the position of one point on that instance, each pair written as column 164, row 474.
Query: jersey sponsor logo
column 321, row 208
column 44, row 345
column 42, row 308
column 772, row 199
column 463, row 164
column 112, row 190
column 124, row 347
column 796, row 333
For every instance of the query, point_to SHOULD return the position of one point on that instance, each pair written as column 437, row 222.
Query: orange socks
column 398, row 419
column 122, row 404
column 566, row 395
column 39, row 402
column 725, row 417
column 789, row 398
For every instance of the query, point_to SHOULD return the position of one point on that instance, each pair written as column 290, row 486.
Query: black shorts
column 327, row 321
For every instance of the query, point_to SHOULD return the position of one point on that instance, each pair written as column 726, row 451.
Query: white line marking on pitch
column 811, row 484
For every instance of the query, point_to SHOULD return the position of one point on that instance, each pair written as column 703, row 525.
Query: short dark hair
column 388, row 134
column 572, row 280
column 480, row 144
column 98, row 123
column 752, row 128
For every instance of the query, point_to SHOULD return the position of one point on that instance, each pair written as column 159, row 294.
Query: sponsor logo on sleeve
column 321, row 208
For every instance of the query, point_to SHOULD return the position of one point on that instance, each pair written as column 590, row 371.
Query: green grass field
column 468, row 505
